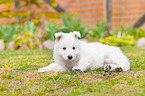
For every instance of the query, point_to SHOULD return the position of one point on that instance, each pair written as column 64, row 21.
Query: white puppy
column 73, row 54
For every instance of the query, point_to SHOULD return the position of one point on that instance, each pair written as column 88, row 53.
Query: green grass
column 19, row 76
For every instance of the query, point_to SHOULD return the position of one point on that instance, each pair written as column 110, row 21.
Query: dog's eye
column 74, row 48
column 64, row 48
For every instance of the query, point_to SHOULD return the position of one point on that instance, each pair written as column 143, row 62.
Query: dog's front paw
column 76, row 69
column 41, row 70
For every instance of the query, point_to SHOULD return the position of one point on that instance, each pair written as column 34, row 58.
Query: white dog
column 73, row 54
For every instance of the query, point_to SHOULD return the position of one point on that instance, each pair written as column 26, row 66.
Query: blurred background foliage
column 30, row 30
column 28, row 14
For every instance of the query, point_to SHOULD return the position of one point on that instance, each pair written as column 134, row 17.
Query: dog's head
column 67, row 45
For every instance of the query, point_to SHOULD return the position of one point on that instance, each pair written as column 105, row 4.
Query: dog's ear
column 59, row 35
column 77, row 34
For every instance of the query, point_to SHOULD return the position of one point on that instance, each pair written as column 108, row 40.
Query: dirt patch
column 103, row 75
column 134, row 73
column 107, row 75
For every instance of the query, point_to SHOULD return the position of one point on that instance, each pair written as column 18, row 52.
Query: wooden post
column 109, row 14
column 17, row 8
column 58, row 8
column 139, row 22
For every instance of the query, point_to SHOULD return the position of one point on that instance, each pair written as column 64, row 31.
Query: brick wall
column 89, row 11
column 125, row 12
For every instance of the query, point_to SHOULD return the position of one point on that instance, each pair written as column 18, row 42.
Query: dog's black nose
column 69, row 57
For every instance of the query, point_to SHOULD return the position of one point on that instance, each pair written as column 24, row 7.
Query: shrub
column 137, row 33
column 119, row 37
column 29, row 26
column 99, row 30
column 118, row 41
column 51, row 29
column 72, row 23
column 1, row 34
column 28, row 37
column 7, row 31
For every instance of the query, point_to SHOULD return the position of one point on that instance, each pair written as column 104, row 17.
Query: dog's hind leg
column 116, row 63
column 112, row 67
column 52, row 67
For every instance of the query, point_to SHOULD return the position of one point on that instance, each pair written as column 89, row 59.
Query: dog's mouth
column 67, row 59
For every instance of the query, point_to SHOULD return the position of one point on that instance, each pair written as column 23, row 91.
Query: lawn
column 19, row 76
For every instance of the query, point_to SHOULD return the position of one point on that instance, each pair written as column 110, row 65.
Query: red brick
column 136, row 1
column 83, row 20
column 86, row 14
column 90, row 20
column 86, row 4
column 143, row 6
column 117, row 13
column 116, row 19
column 97, row 4
column 74, row 10
column 129, row 7
column 84, row 0
column 116, row 2
column 134, row 18
column 140, row 12
column 99, row 9
column 75, row 5
column 90, row 10
column 116, row 7
column 81, row 10
column 127, row 19
column 132, row 12
column 116, row 24
column 99, row 19
column 96, row 14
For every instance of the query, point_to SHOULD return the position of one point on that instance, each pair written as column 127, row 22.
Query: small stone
column 48, row 44
column 141, row 42
column 40, row 46
column 11, row 45
column 2, row 45
column 85, row 40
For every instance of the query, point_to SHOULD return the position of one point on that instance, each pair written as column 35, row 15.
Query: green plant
column 99, row 30
column 125, row 30
column 7, row 31
column 116, row 32
column 29, row 13
column 72, row 23
column 29, row 26
column 137, row 33
column 121, row 32
column 118, row 41
column 51, row 29
column 28, row 37
column 1, row 35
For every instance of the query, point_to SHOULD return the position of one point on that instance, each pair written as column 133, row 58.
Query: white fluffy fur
column 85, row 55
